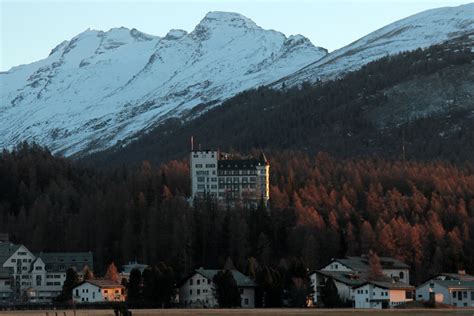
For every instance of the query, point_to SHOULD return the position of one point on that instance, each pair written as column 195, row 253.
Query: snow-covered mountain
column 101, row 88
column 104, row 88
column 417, row 31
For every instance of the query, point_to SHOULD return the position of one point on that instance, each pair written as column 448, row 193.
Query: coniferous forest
column 321, row 207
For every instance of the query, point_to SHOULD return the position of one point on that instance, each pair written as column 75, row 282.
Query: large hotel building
column 229, row 181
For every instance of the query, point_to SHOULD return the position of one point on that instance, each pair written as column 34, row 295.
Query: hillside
column 320, row 208
column 104, row 89
column 422, row 100
column 421, row 30
column 100, row 88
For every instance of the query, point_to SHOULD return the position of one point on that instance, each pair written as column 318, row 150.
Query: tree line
column 321, row 208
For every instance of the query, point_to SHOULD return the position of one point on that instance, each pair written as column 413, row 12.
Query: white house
column 350, row 272
column 98, row 291
column 198, row 289
column 457, row 293
column 36, row 277
column 378, row 295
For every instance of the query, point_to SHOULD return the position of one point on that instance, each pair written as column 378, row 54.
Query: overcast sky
column 30, row 29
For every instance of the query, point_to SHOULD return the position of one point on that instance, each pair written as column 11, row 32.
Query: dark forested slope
column 321, row 208
column 422, row 100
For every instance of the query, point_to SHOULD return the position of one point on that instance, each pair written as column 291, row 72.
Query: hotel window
column 454, row 294
column 198, row 165
column 198, row 282
column 464, row 294
column 191, row 292
column 198, row 291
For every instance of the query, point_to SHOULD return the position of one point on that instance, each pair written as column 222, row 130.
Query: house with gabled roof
column 350, row 272
column 98, row 291
column 198, row 289
column 452, row 289
column 382, row 294
column 37, row 277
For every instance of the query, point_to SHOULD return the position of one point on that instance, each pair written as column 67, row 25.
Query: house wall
column 370, row 296
column 19, row 265
column 88, row 293
column 199, row 291
column 5, row 290
column 203, row 169
column 445, row 295
column 247, row 297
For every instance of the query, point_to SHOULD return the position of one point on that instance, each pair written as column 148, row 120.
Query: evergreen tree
column 72, row 279
column 226, row 291
column 329, row 294
column 134, row 286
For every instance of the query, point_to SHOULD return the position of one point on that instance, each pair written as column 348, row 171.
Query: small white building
column 98, row 291
column 457, row 293
column 380, row 295
column 350, row 272
column 198, row 289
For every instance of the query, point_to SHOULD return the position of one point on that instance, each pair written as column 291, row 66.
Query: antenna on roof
column 192, row 143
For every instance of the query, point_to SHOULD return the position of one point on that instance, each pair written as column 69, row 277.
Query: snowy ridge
column 417, row 31
column 101, row 88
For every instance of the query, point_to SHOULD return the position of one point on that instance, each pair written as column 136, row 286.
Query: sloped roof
column 455, row 284
column 103, row 283
column 127, row 268
column 457, row 276
column 362, row 263
column 241, row 279
column 61, row 261
column 389, row 285
column 7, row 249
column 344, row 277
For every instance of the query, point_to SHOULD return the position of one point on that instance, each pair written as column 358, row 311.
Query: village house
column 198, row 289
column 350, row 272
column 98, row 291
column 36, row 278
column 455, row 289
column 381, row 295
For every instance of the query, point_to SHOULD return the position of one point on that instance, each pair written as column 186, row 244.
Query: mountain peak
column 220, row 18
